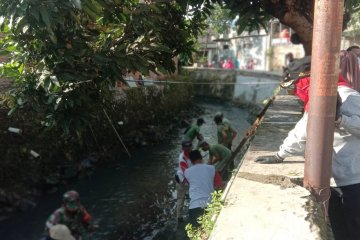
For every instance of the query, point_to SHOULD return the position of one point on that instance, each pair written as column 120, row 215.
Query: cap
column 200, row 121
column 186, row 143
column 60, row 232
column 195, row 155
column 71, row 200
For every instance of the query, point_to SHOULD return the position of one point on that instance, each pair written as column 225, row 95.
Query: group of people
column 197, row 176
column 200, row 179
column 71, row 220
column 344, row 202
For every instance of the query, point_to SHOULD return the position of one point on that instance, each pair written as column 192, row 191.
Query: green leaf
column 89, row 12
column 45, row 16
column 35, row 13
column 77, row 4
column 52, row 36
column 101, row 58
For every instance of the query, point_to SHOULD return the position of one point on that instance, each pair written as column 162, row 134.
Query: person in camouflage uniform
column 72, row 214
column 225, row 133
column 219, row 155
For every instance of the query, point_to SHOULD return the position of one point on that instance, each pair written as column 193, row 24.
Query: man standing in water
column 201, row 178
column 182, row 185
column 71, row 214
column 219, row 154
column 194, row 131
column 225, row 133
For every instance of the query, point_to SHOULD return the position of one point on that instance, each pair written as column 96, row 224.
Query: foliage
column 21, row 174
column 254, row 15
column 151, row 105
column 65, row 55
column 298, row 14
column 220, row 19
column 354, row 24
column 207, row 221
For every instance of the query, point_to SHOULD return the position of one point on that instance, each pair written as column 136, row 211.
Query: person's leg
column 181, row 191
column 351, row 203
column 194, row 214
column 337, row 216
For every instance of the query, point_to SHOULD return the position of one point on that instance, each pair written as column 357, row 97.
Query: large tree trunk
column 297, row 14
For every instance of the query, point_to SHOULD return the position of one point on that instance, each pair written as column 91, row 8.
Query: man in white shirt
column 201, row 180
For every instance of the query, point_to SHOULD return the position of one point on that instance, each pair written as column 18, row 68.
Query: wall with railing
column 239, row 85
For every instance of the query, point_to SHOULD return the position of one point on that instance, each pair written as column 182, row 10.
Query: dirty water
column 128, row 198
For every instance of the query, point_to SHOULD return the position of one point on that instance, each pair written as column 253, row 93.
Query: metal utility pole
column 328, row 18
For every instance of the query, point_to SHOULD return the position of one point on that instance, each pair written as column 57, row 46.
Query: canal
column 128, row 198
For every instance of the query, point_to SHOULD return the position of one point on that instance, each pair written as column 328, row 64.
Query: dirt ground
column 282, row 181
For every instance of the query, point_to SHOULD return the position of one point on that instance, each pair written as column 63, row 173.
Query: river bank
column 38, row 161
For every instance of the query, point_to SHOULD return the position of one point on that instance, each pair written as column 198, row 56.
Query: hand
column 338, row 121
column 92, row 227
column 200, row 137
column 338, row 106
column 272, row 159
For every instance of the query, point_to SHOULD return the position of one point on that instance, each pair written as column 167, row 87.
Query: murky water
column 129, row 198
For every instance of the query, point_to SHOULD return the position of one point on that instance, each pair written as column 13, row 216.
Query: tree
column 297, row 14
column 220, row 19
column 353, row 28
column 65, row 55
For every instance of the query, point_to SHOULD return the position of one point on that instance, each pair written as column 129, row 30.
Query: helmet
column 218, row 117
column 71, row 200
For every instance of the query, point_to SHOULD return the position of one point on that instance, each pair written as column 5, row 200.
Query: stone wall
column 278, row 55
column 239, row 85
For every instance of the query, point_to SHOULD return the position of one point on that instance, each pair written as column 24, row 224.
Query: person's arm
column 86, row 218
column 199, row 137
column 351, row 123
column 294, row 143
column 234, row 134
column 183, row 166
column 53, row 220
column 224, row 136
column 214, row 159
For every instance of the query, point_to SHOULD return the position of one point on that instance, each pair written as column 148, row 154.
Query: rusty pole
column 328, row 17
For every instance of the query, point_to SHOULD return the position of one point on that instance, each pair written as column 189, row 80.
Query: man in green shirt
column 219, row 155
column 225, row 133
column 194, row 131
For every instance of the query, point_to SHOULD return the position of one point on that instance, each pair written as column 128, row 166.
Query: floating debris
column 15, row 130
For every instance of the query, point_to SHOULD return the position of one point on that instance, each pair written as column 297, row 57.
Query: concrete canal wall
column 238, row 85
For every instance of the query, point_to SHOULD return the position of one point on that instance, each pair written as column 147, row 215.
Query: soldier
column 71, row 214
column 219, row 155
column 226, row 134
